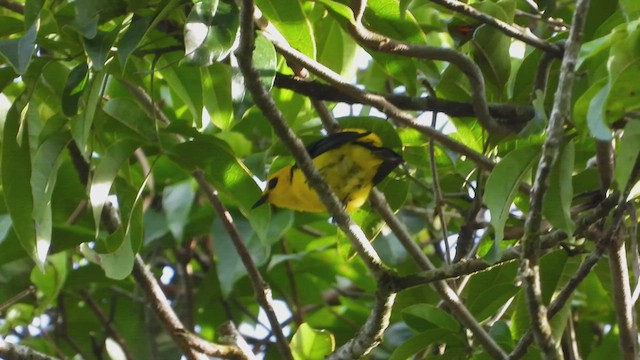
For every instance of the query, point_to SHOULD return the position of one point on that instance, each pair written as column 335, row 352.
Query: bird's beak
column 263, row 199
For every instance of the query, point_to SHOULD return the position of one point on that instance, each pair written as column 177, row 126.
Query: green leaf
column 624, row 68
column 116, row 265
column 491, row 47
column 128, row 113
column 230, row 267
column 115, row 254
column 18, row 52
column 288, row 17
column 596, row 117
column 501, row 333
column 502, row 186
column 81, row 126
column 5, row 226
column 99, row 47
column 485, row 303
column 210, row 31
column 176, row 205
column 74, row 88
column 582, row 107
column 556, row 206
column 229, row 176
column 423, row 340
column 114, row 157
column 32, row 11
column 627, row 153
column 489, row 291
column 217, row 85
column 131, row 39
column 539, row 121
column 44, row 173
column 336, row 49
column 423, row 317
column 186, row 82
column 630, row 8
column 265, row 60
column 311, row 344
column 18, row 197
column 50, row 281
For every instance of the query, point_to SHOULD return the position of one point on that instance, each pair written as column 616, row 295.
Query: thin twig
column 437, row 190
column 446, row 293
column 168, row 318
column 370, row 335
column 604, row 160
column 9, row 351
column 520, row 34
column 628, row 338
column 297, row 308
column 17, row 297
column 260, row 287
column 513, row 116
column 548, row 242
column 13, row 6
column 108, row 324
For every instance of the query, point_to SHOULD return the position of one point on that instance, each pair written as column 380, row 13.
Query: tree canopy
column 137, row 135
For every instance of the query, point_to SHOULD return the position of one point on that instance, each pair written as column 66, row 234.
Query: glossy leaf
column 210, row 31
column 186, row 81
column 18, row 52
column 422, row 340
column 556, row 205
column 308, row 343
column 44, row 172
column 73, row 89
column 423, row 317
column 99, row 47
column 129, row 114
column 218, row 102
column 289, row 18
column 177, row 200
column 16, row 169
column 131, row 39
column 114, row 158
column 503, row 183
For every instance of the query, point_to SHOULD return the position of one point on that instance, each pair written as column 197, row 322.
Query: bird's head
column 272, row 193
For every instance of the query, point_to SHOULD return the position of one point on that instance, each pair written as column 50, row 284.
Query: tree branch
column 170, row 321
column 108, row 325
column 14, row 6
column 9, row 351
column 378, row 42
column 628, row 339
column 516, row 116
column 294, row 56
column 260, row 287
column 531, row 240
column 370, row 335
column 446, row 293
column 265, row 102
column 521, row 34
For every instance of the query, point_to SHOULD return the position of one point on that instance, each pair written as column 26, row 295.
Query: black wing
column 390, row 160
column 333, row 141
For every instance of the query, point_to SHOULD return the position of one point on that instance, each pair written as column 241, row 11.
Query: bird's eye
column 272, row 183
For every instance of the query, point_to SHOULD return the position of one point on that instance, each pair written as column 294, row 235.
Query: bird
column 352, row 162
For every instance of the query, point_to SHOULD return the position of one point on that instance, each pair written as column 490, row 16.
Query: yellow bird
column 352, row 163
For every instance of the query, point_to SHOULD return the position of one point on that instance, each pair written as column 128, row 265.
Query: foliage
column 111, row 109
